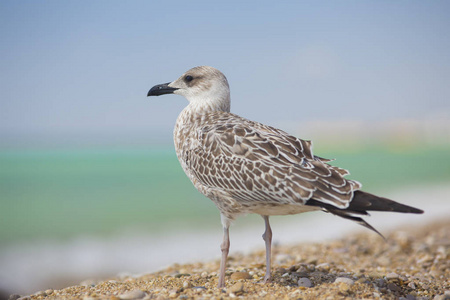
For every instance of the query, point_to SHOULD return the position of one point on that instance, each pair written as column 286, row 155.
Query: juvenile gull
column 248, row 167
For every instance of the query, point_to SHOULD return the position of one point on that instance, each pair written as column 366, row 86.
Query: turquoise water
column 65, row 193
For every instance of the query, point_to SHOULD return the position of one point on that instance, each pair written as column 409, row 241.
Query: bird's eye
column 188, row 78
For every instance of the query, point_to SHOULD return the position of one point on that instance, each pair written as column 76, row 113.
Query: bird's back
column 261, row 168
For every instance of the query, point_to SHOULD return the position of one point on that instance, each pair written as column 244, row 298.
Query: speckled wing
column 257, row 164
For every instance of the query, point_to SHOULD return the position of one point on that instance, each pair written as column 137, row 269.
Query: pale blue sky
column 80, row 70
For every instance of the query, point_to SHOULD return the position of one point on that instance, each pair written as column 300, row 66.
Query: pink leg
column 267, row 237
column 225, row 247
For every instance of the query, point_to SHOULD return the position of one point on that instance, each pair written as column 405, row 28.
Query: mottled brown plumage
column 258, row 166
column 248, row 167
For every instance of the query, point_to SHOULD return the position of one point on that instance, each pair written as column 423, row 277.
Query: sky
column 79, row 72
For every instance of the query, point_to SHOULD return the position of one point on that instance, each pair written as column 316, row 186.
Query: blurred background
column 90, row 186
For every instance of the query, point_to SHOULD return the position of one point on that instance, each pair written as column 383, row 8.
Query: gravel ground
column 413, row 263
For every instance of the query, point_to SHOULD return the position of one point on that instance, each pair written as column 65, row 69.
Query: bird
column 247, row 167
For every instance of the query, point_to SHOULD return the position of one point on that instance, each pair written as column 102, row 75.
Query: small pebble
column 240, row 275
column 304, row 282
column 312, row 260
column 134, row 294
column 324, row 266
column 344, row 287
column 392, row 276
column 41, row 293
column 237, row 288
column 345, row 280
column 375, row 274
column 49, row 291
column 282, row 257
column 295, row 294
column 173, row 294
column 393, row 287
column 187, row 284
column 362, row 280
column 380, row 282
column 300, row 274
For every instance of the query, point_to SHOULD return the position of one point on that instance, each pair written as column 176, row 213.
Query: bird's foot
column 221, row 284
column 267, row 278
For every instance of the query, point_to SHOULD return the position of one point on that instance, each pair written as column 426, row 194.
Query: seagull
column 247, row 167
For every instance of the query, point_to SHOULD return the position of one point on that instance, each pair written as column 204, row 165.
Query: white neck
column 207, row 104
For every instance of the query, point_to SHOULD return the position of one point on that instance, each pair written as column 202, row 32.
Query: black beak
column 161, row 89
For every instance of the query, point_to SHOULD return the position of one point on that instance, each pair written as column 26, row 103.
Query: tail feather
column 344, row 214
column 363, row 202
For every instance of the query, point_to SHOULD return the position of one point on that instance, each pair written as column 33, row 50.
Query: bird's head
column 204, row 87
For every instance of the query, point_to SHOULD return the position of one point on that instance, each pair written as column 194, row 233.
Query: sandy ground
column 413, row 263
column 38, row 265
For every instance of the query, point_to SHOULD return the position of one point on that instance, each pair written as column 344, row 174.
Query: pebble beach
column 412, row 263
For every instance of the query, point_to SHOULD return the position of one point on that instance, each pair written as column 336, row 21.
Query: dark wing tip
column 366, row 201
column 414, row 210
